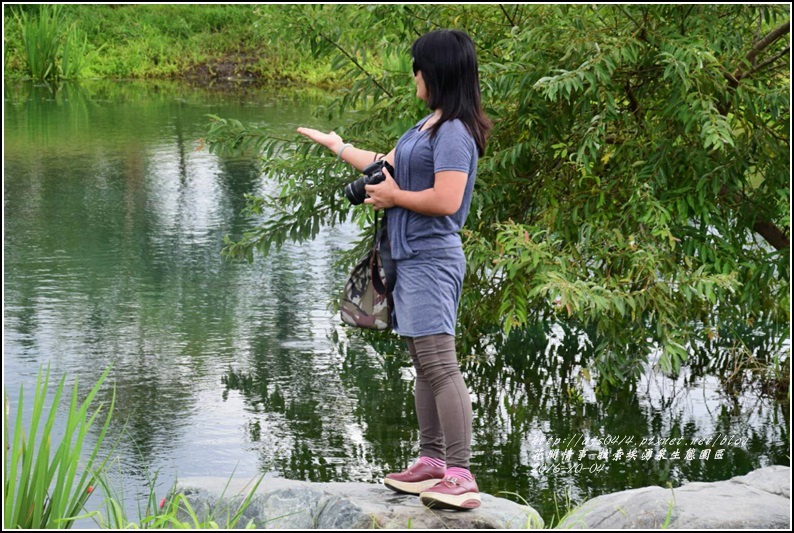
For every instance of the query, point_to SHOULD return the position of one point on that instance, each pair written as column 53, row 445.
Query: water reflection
column 114, row 225
column 113, row 231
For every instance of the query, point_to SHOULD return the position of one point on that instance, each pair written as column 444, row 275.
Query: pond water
column 114, row 219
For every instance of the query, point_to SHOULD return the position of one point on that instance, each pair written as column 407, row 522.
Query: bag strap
column 377, row 281
column 375, row 235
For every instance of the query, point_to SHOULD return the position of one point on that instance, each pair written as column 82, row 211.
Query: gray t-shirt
column 417, row 158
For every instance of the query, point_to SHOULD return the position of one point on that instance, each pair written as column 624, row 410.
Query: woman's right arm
column 357, row 157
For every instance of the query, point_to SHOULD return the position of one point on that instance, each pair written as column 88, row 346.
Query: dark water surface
column 113, row 226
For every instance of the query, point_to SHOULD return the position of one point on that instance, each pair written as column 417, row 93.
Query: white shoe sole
column 461, row 502
column 416, row 487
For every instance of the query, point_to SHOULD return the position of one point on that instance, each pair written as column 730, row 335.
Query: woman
column 427, row 202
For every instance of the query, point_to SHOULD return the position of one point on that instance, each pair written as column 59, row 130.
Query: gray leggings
column 443, row 404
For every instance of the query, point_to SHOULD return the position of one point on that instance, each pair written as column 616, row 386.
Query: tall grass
column 42, row 488
column 41, row 38
column 75, row 54
column 52, row 48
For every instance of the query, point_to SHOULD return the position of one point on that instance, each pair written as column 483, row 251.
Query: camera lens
column 355, row 192
column 373, row 174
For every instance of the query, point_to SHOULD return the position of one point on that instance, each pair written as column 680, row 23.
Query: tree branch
column 507, row 15
column 683, row 19
column 634, row 106
column 355, row 62
column 515, row 14
column 773, row 235
column 773, row 36
column 759, row 47
column 423, row 20
column 760, row 66
column 751, row 56
column 639, row 26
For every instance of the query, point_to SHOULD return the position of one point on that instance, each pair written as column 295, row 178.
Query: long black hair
column 448, row 63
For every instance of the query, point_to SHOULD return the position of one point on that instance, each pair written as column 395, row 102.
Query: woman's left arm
column 443, row 199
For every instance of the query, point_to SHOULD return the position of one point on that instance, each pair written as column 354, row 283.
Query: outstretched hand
column 332, row 140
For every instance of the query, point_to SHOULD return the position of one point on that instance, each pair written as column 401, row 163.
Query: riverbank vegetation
column 204, row 42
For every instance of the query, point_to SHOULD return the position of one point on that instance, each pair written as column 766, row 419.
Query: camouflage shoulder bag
column 366, row 301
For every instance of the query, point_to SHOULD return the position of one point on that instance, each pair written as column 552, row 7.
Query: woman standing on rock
column 427, row 202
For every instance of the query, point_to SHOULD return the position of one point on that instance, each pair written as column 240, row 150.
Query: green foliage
column 41, row 38
column 53, row 48
column 635, row 184
column 75, row 54
column 42, row 487
column 201, row 41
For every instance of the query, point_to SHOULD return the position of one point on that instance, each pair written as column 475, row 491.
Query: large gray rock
column 285, row 504
column 759, row 500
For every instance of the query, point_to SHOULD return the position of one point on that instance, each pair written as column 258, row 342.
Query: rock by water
column 759, row 500
column 285, row 504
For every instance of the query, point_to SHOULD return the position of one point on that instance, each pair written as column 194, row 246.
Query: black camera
column 373, row 174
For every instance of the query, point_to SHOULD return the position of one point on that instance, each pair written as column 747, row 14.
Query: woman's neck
column 435, row 117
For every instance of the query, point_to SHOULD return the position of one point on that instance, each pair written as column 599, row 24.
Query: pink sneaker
column 452, row 493
column 417, row 478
